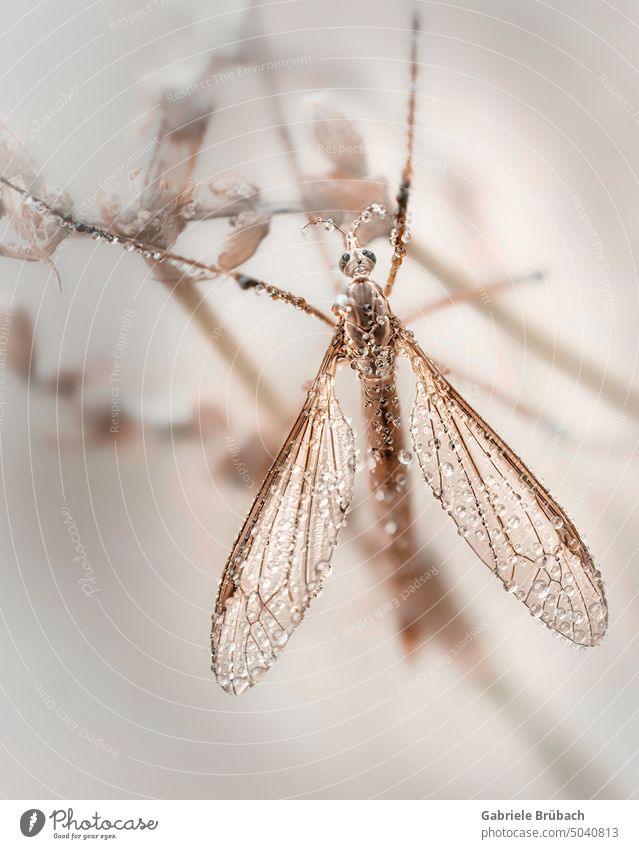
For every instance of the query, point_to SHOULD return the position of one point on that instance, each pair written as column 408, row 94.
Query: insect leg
column 480, row 293
column 400, row 233
column 277, row 294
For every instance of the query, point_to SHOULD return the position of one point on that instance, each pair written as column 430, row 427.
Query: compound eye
column 343, row 260
column 370, row 255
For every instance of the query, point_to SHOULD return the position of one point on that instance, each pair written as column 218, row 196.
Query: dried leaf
column 30, row 254
column 20, row 351
column 339, row 140
column 227, row 196
column 40, row 230
column 342, row 200
column 159, row 202
column 182, row 127
column 250, row 229
column 14, row 158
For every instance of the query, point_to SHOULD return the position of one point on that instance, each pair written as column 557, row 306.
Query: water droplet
column 555, row 572
column 447, row 470
column 404, row 457
column 324, row 568
column 540, row 588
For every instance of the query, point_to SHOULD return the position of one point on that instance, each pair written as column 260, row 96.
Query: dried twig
column 551, row 349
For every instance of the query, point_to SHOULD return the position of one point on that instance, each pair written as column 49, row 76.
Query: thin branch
column 191, row 299
column 578, row 368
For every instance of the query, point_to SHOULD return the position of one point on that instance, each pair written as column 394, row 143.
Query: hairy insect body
column 369, row 336
column 370, row 330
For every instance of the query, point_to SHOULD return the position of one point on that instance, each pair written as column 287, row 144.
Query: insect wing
column 506, row 516
column 283, row 552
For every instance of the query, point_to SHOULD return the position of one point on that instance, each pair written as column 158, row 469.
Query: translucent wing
column 282, row 554
column 507, row 517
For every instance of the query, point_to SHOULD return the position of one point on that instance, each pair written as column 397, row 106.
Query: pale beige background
column 513, row 123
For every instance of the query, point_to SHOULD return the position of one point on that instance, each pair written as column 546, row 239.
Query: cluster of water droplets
column 400, row 235
column 506, row 517
column 277, row 294
column 373, row 210
column 284, row 554
column 72, row 225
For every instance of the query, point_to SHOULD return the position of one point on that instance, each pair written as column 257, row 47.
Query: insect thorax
column 369, row 331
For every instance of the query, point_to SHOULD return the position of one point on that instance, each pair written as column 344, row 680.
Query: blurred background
column 137, row 417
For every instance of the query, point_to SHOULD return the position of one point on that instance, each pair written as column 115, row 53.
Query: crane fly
column 283, row 552
column 282, row 555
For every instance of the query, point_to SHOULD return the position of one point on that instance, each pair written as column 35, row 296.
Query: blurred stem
column 583, row 371
column 566, row 758
column 185, row 291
